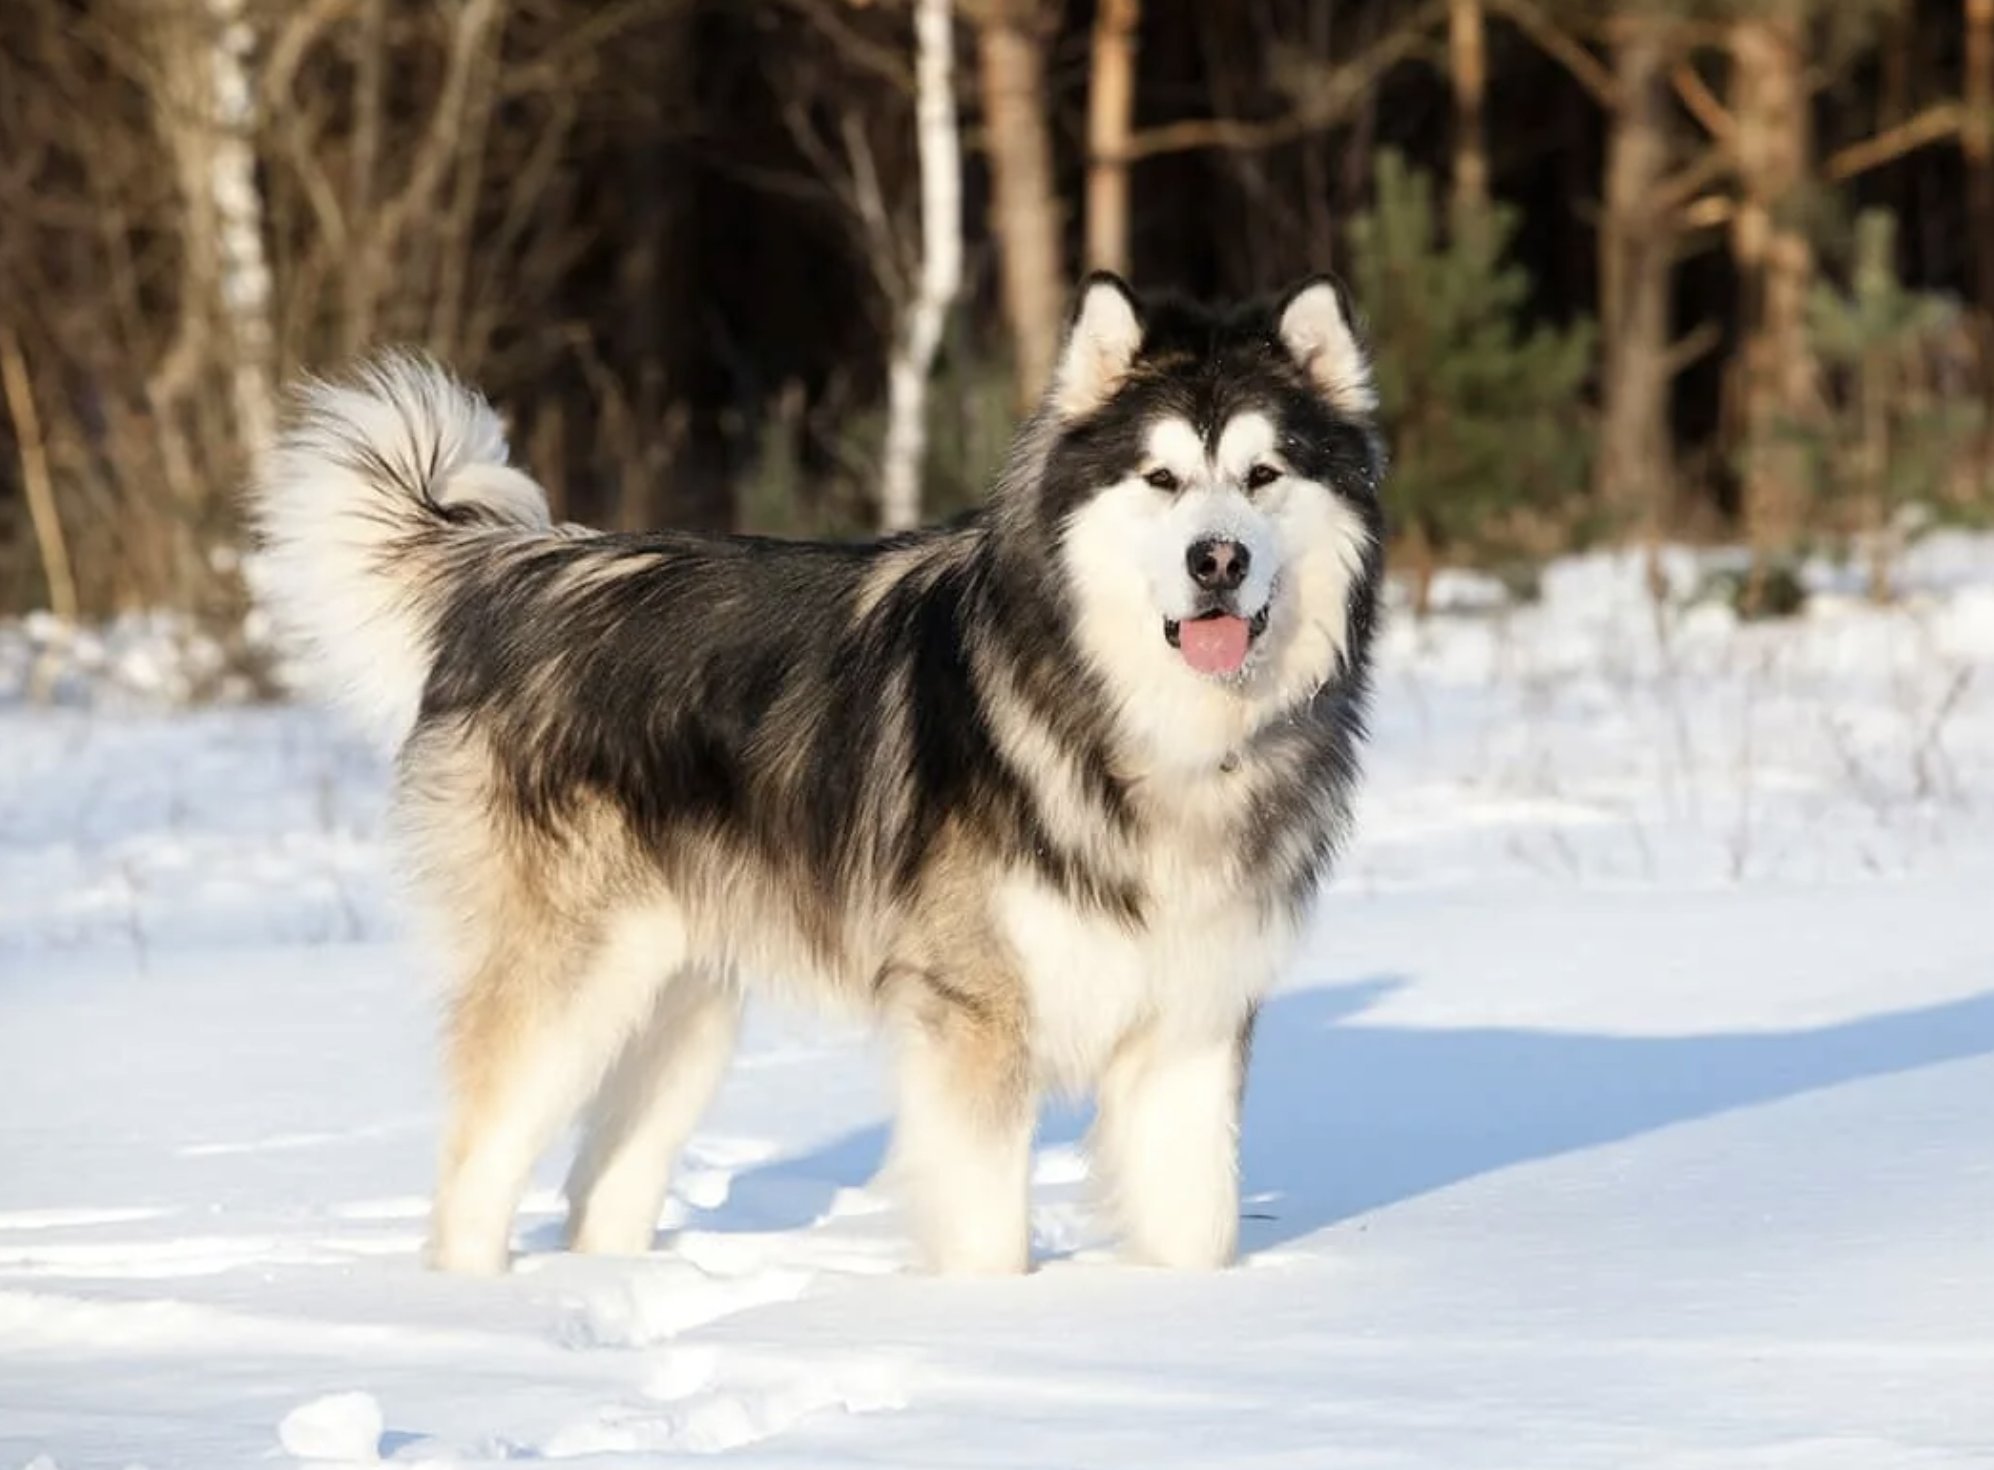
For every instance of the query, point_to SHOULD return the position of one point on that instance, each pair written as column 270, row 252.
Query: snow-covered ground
column 1631, row 1106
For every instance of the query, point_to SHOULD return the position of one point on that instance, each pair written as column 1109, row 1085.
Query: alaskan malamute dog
column 1048, row 791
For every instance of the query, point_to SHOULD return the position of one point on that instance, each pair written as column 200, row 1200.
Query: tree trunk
column 1467, row 62
column 940, row 147
column 650, row 280
column 206, row 115
column 1637, row 249
column 1874, row 392
column 17, row 391
column 1011, row 48
column 1110, row 111
column 1780, row 388
column 369, row 99
column 242, row 274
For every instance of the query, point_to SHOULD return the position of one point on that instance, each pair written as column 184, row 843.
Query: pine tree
column 1484, row 416
column 1899, row 440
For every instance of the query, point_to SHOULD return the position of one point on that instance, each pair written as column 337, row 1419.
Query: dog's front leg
column 962, row 1140
column 1166, row 1145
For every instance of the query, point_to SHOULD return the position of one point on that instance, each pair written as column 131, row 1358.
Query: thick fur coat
column 1048, row 790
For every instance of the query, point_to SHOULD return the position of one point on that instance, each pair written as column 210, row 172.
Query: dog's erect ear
column 1101, row 343
column 1316, row 329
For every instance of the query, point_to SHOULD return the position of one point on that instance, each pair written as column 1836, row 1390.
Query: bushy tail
column 377, row 480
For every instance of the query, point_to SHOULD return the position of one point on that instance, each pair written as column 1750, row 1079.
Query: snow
column 1628, row 1106
column 134, row 661
column 340, row 1426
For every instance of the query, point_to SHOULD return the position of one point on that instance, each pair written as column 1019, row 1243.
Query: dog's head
column 1209, row 495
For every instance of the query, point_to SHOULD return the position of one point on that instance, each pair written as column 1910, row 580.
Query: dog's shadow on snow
column 1343, row 1117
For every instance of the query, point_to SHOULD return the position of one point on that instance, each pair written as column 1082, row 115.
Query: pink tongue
column 1213, row 645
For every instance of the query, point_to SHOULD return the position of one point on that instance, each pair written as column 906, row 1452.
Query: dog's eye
column 1261, row 475
column 1161, row 479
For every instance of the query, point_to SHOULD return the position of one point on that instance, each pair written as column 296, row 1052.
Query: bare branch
column 298, row 143
column 1710, row 212
column 1935, row 124
column 476, row 20
column 861, row 51
column 601, row 25
column 1702, row 104
column 455, row 243
column 289, row 46
column 1692, row 347
column 1586, row 69
column 1686, row 183
column 869, row 203
column 1332, row 99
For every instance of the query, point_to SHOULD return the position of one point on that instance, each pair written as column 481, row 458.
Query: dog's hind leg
column 962, row 1137
column 533, row 1030
column 1166, row 1145
column 647, row 1108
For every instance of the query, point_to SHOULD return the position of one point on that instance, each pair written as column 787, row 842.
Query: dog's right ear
column 1102, row 338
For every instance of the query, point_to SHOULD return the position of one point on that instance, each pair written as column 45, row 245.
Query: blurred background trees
column 1636, row 268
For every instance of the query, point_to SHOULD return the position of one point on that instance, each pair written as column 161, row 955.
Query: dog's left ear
column 1102, row 338
column 1316, row 329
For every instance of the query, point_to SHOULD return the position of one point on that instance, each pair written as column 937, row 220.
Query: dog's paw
column 461, row 1257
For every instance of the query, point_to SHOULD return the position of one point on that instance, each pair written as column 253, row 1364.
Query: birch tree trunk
column 938, row 138
column 1110, row 113
column 1775, row 267
column 1467, row 62
column 242, row 268
column 1025, row 214
column 1637, row 249
column 200, row 53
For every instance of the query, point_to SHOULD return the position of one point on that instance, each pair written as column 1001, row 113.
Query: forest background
column 1636, row 270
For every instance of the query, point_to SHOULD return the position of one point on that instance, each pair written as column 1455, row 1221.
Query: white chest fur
column 1192, row 972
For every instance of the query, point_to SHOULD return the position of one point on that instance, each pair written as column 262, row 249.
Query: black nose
column 1217, row 566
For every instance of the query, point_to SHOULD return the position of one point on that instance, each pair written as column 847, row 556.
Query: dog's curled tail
column 376, row 490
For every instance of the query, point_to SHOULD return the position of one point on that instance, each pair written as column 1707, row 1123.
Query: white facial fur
column 1125, row 557
column 1213, row 504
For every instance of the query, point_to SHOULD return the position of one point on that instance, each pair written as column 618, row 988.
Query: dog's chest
column 1192, row 971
